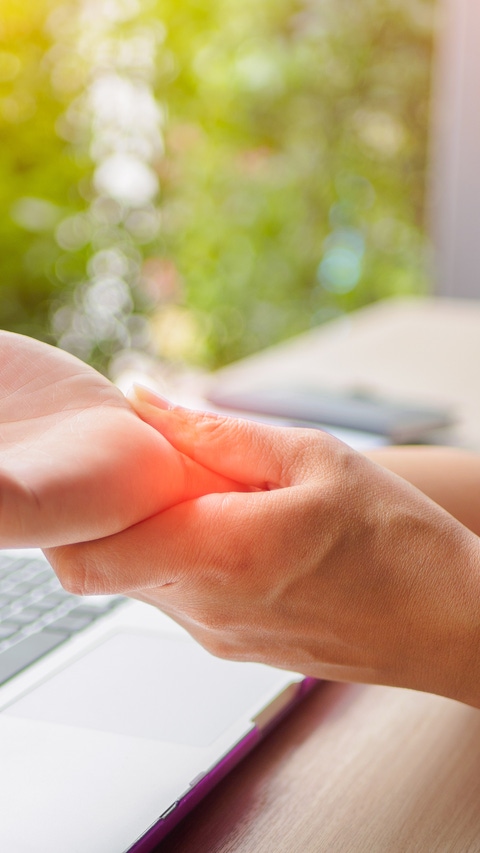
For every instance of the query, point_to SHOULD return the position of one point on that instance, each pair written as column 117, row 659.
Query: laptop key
column 27, row 651
column 27, row 616
column 24, row 588
column 54, row 599
column 71, row 623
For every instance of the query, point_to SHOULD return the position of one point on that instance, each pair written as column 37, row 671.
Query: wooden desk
column 362, row 769
column 356, row 770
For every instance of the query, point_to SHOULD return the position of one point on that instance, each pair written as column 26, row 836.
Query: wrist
column 451, row 660
column 465, row 662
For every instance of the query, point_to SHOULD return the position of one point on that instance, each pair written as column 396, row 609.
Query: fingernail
column 146, row 395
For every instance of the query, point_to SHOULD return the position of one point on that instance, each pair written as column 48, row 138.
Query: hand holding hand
column 332, row 566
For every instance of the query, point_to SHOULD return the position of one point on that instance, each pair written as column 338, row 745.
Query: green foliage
column 298, row 179
column 38, row 173
column 291, row 186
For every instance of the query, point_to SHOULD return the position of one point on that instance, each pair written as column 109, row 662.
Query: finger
column 246, row 451
column 183, row 541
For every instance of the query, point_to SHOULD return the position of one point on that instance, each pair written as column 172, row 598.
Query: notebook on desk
column 114, row 723
column 354, row 417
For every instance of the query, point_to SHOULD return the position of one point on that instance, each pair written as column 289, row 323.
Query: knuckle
column 209, row 424
column 211, row 620
column 76, row 572
column 194, row 429
column 292, row 455
column 223, row 647
column 318, row 454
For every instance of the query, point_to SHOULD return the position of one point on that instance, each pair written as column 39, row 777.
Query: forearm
column 448, row 476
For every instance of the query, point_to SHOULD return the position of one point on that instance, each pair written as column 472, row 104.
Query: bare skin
column 76, row 463
column 449, row 476
column 333, row 566
column 282, row 546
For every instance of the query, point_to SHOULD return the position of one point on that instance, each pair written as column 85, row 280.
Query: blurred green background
column 201, row 178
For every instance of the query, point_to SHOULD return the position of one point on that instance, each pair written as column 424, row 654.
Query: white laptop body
column 110, row 738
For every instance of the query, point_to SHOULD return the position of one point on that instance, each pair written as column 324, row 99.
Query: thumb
column 246, row 451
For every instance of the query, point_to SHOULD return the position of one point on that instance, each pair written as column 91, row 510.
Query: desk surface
column 362, row 768
column 354, row 769
column 424, row 351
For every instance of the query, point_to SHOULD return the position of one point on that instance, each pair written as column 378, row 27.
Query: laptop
column 114, row 723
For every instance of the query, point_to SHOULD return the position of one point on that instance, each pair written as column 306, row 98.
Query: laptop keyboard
column 37, row 615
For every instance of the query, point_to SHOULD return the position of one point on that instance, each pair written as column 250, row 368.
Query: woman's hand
column 76, row 463
column 333, row 567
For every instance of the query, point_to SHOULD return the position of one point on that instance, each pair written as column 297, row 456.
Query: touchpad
column 143, row 685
